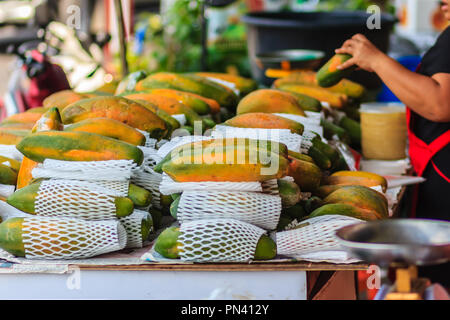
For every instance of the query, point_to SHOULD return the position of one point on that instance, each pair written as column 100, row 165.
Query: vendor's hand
column 364, row 53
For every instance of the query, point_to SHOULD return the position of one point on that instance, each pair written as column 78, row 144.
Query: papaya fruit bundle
column 234, row 161
column 121, row 109
column 74, row 199
column 190, row 83
column 55, row 238
column 215, row 241
column 355, row 201
column 77, row 146
column 259, row 209
column 308, row 77
column 138, row 226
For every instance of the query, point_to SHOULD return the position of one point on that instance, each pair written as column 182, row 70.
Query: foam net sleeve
column 311, row 124
column 10, row 151
column 61, row 238
column 132, row 225
column 218, row 240
column 76, row 199
column 169, row 186
column 291, row 140
column 262, row 210
column 178, row 141
column 316, row 234
column 85, row 170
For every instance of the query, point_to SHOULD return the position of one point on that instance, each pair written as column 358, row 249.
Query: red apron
column 421, row 154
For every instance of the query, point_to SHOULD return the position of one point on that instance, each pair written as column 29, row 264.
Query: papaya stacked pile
column 90, row 140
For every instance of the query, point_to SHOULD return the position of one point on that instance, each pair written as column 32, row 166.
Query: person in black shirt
column 426, row 93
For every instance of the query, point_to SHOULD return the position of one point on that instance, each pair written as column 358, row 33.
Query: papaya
column 283, row 222
column 11, row 237
column 265, row 145
column 156, row 218
column 361, row 197
column 330, row 129
column 17, row 126
column 165, row 202
column 312, row 204
column 109, row 128
column 289, row 192
column 198, row 103
column 228, row 164
column 363, row 174
column 264, row 120
column 190, row 83
column 146, row 227
column 140, row 196
column 171, row 122
column 169, row 105
column 174, row 207
column 12, row 163
column 11, row 136
column 269, row 101
column 244, row 85
column 329, row 75
column 353, row 129
column 308, row 77
column 7, row 175
column 345, row 210
column 307, row 103
column 121, row 109
column 300, row 156
column 62, row 99
column 129, row 83
column 25, row 198
column 325, row 190
column 77, row 146
column 336, row 100
column 23, row 117
column 295, row 212
column 349, row 180
column 325, row 148
column 168, row 246
column 306, row 175
column 50, row 120
column 319, row 157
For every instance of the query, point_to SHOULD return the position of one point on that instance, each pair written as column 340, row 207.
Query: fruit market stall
column 189, row 180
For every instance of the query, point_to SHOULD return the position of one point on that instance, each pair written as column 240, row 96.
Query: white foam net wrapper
column 169, row 186
column 85, row 170
column 149, row 142
column 149, row 180
column 291, row 140
column 312, row 124
column 262, row 210
column 308, row 136
column 317, row 234
column 132, row 225
column 179, row 141
column 218, row 240
column 151, row 158
column 77, row 199
column 10, row 151
column 271, row 186
column 6, row 190
column 181, row 118
column 60, row 238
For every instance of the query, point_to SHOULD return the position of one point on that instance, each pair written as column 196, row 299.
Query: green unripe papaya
column 174, row 207
column 329, row 74
column 167, row 243
column 139, row 196
column 289, row 192
column 156, row 217
column 266, row 248
column 7, row 175
column 11, row 237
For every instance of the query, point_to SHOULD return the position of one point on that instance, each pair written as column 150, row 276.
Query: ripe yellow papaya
column 244, row 85
column 361, row 197
column 121, row 109
column 23, row 117
column 363, row 174
column 50, row 120
column 11, row 136
column 306, row 175
column 109, row 128
column 190, row 83
column 235, row 163
column 77, row 146
column 345, row 210
column 198, row 103
column 308, row 77
column 62, row 99
column 349, row 180
column 336, row 100
column 269, row 101
column 264, row 120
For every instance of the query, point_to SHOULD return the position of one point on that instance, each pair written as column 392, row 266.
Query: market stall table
column 235, row 281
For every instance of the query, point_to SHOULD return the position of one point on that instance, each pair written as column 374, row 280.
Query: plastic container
column 383, row 131
column 317, row 30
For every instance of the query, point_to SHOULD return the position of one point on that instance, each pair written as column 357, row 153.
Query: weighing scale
column 402, row 244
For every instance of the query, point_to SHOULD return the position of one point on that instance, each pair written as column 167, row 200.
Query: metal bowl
column 405, row 241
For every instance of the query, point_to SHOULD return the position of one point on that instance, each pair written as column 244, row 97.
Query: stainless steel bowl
column 405, row 241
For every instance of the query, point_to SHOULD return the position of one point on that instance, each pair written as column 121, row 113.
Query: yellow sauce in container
column 383, row 131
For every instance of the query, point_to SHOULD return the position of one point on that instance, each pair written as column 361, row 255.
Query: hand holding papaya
column 365, row 53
